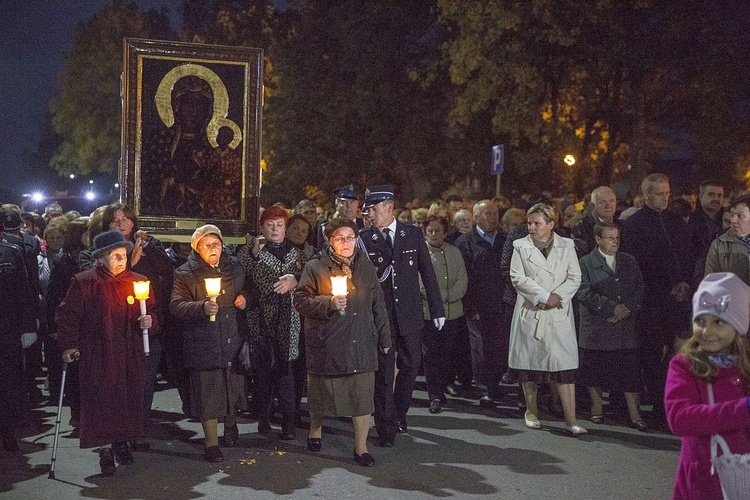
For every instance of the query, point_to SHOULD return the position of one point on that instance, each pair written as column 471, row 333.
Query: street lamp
column 569, row 160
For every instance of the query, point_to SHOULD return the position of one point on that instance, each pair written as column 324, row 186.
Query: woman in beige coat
column 544, row 271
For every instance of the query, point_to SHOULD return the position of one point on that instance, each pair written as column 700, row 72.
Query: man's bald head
column 605, row 202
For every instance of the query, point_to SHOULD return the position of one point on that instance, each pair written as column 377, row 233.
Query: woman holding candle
column 343, row 332
column 100, row 319
column 217, row 387
column 148, row 258
column 273, row 269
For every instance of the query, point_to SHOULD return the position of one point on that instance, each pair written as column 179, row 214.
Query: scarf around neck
column 343, row 263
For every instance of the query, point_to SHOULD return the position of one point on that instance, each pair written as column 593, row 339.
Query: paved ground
column 464, row 452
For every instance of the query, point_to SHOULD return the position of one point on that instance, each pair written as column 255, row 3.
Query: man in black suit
column 347, row 206
column 660, row 242
column 482, row 249
column 400, row 256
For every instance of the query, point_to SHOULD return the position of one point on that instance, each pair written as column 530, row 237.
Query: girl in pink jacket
column 718, row 353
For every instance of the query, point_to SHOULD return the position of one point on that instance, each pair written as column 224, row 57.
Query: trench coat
column 97, row 318
column 544, row 340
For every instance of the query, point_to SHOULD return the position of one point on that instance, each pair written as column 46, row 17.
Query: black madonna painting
column 191, row 134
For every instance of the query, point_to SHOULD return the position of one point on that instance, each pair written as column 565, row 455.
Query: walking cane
column 59, row 414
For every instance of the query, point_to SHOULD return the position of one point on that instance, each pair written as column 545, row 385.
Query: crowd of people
column 481, row 295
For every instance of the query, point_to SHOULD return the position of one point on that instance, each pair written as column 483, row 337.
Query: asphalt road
column 464, row 452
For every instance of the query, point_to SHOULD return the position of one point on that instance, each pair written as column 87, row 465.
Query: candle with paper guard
column 213, row 290
column 338, row 288
column 141, row 291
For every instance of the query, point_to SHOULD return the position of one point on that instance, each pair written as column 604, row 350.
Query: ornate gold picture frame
column 191, row 136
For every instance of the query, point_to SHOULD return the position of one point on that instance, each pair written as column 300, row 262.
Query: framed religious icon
column 191, row 127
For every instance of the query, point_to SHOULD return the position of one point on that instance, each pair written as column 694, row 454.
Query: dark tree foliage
column 352, row 104
column 616, row 83
column 87, row 113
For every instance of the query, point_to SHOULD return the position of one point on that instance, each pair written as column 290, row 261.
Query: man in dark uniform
column 400, row 256
column 30, row 249
column 17, row 321
column 347, row 205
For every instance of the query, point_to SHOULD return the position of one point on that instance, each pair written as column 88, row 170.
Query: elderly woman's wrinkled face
column 464, row 221
column 209, row 248
column 116, row 261
column 539, row 228
column 121, row 223
column 55, row 239
column 344, row 241
column 609, row 241
column 434, row 234
column 297, row 231
column 274, row 230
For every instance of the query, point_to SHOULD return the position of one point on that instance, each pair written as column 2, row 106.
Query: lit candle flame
column 338, row 286
column 141, row 289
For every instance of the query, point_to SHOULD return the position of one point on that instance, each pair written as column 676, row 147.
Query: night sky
column 35, row 37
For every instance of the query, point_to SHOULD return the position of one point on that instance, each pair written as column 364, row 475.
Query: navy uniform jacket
column 398, row 271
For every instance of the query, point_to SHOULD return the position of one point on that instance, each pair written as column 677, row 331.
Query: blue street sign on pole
column 498, row 155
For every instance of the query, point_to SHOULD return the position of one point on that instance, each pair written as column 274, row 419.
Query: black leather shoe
column 402, row 427
column 122, row 453
column 365, row 459
column 436, row 406
column 213, row 454
column 140, row 445
column 288, row 429
column 314, row 444
column 387, row 442
column 486, row 402
column 231, row 436
column 508, row 379
column 107, row 462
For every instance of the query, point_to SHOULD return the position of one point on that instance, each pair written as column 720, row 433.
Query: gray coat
column 728, row 254
column 601, row 290
column 345, row 344
column 452, row 279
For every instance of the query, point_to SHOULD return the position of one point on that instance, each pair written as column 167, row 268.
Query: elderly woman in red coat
column 99, row 320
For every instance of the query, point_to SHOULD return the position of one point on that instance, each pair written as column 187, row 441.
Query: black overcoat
column 208, row 345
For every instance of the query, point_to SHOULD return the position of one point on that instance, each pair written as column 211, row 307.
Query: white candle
column 339, row 288
column 141, row 291
column 213, row 290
